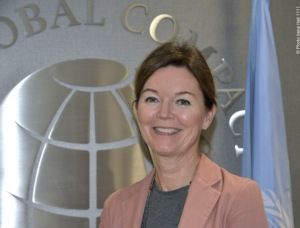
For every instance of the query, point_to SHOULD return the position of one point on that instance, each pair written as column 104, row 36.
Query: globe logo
column 68, row 140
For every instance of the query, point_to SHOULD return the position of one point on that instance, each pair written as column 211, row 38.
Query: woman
column 175, row 102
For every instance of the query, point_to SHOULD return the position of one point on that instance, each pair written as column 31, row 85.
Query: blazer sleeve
column 247, row 210
column 105, row 217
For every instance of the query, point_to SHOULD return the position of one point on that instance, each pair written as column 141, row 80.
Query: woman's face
column 171, row 112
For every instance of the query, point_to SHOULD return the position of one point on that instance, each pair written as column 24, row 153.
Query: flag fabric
column 265, row 155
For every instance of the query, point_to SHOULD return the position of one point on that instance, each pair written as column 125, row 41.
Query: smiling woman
column 175, row 102
column 170, row 105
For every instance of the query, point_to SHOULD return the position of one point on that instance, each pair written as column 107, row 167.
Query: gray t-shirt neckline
column 164, row 208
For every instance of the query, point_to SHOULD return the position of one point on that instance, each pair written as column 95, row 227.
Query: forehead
column 172, row 78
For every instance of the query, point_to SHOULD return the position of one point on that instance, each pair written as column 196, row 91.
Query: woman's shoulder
column 212, row 173
column 240, row 189
column 233, row 181
column 227, row 182
column 242, row 198
column 126, row 192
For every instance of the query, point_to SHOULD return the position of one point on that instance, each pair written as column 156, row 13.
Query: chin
column 166, row 152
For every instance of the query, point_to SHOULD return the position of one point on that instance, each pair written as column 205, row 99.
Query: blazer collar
column 133, row 206
column 203, row 194
column 202, row 197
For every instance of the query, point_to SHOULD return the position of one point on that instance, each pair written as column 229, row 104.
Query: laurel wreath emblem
column 277, row 216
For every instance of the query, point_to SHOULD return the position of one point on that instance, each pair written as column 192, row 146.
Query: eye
column 151, row 100
column 184, row 102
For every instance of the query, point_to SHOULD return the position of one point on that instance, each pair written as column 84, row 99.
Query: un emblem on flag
column 68, row 140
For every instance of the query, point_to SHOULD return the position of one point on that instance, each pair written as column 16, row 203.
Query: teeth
column 168, row 131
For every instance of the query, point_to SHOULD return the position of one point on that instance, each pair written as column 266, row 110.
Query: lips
column 166, row 130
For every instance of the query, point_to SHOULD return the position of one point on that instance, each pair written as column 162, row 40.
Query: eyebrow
column 149, row 90
column 177, row 94
column 185, row 92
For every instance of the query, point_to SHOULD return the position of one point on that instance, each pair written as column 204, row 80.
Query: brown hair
column 181, row 55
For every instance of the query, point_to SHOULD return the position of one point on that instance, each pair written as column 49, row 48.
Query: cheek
column 144, row 116
column 144, row 120
column 191, row 118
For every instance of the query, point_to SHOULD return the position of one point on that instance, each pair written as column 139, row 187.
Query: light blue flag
column 265, row 156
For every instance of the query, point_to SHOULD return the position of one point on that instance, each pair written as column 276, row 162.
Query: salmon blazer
column 216, row 199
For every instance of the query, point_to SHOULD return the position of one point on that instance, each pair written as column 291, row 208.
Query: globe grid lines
column 91, row 147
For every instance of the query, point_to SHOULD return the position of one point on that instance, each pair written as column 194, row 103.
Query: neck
column 175, row 173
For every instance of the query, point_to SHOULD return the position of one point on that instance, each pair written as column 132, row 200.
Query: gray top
column 164, row 209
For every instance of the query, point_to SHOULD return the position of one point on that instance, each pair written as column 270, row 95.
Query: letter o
column 13, row 29
column 154, row 24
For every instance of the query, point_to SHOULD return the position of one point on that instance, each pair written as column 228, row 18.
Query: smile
column 166, row 130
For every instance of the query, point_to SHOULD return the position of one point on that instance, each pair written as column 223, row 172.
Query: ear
column 209, row 117
column 134, row 108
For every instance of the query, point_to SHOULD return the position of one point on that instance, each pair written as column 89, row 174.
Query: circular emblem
column 68, row 140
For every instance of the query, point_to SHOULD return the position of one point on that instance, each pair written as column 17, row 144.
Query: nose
column 165, row 111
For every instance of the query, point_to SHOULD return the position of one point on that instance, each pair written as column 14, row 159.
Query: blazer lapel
column 202, row 196
column 133, row 206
